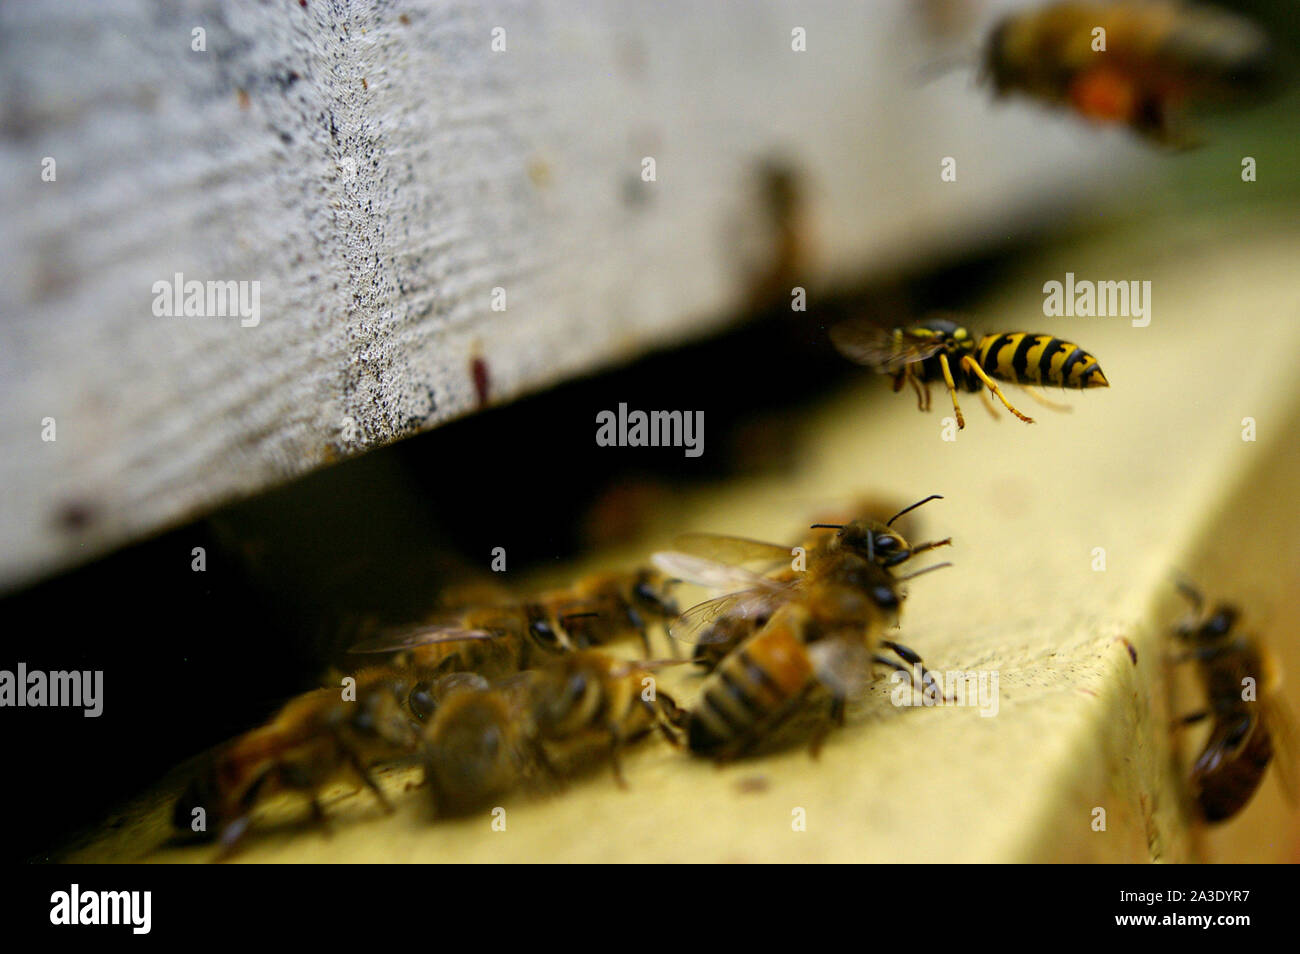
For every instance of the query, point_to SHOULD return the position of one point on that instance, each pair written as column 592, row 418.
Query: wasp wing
column 886, row 350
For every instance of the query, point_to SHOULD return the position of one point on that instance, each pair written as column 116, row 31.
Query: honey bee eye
column 886, row 542
column 421, row 701
column 543, row 632
column 884, row 596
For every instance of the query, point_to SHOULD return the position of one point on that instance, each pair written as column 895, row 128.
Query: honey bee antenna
column 569, row 616
column 827, row 526
column 1189, row 590
column 937, row 566
column 890, row 521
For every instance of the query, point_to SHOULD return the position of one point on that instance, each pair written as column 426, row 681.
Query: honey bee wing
column 407, row 637
column 842, row 665
column 880, row 348
column 710, row 574
column 725, row 549
column 697, row 624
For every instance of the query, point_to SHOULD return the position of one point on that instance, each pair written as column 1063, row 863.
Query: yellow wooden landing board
column 1154, row 470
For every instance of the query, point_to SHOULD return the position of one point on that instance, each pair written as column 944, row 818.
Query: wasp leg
column 921, row 403
column 1192, row 719
column 1038, row 395
column 988, row 404
column 899, row 378
column 952, row 389
column 973, row 366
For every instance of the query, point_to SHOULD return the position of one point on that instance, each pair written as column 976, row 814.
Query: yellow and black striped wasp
column 940, row 349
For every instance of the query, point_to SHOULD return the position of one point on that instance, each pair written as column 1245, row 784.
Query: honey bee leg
column 931, row 545
column 637, row 623
column 549, row 769
column 952, row 389
column 369, row 781
column 834, row 718
column 615, row 743
column 971, row 365
column 1193, row 718
column 318, row 815
column 668, row 718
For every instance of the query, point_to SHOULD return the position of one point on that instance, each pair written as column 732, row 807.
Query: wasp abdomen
column 1022, row 357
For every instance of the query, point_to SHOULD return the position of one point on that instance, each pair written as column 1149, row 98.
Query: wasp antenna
column 890, row 521
column 910, row 576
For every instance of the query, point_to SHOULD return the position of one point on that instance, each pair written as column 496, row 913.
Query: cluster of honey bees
column 501, row 691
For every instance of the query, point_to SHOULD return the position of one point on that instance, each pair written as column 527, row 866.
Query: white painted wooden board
column 379, row 170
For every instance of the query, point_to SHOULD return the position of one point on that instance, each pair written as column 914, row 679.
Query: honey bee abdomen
column 1228, row 786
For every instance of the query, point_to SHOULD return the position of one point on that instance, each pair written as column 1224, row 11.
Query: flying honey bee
column 1248, row 723
column 717, row 627
column 821, row 631
column 317, row 738
column 939, row 349
column 509, row 636
column 485, row 740
column 1154, row 59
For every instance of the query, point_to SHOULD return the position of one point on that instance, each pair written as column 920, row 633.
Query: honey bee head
column 470, row 757
column 378, row 715
column 547, row 631
column 566, row 698
column 1009, row 54
column 650, row 592
column 1214, row 628
column 878, row 542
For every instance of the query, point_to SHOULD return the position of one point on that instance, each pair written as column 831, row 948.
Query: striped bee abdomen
column 1022, row 357
column 758, row 679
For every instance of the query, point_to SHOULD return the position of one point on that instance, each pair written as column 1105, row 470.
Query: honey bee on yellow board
column 821, row 632
column 1249, row 726
column 1142, row 64
column 499, row 638
column 941, row 349
column 485, row 740
column 317, row 738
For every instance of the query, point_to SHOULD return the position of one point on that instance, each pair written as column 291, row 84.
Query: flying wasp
column 940, row 349
column 1154, row 59
column 1248, row 723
